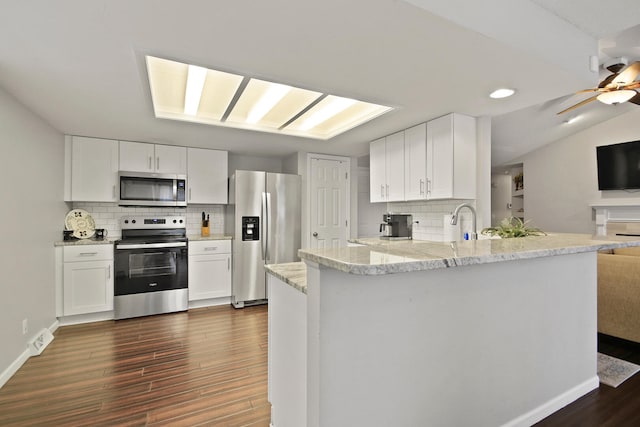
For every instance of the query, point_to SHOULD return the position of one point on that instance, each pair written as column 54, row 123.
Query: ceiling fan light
column 616, row 96
column 501, row 93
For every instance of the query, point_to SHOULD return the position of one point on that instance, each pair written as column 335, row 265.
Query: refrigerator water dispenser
column 250, row 228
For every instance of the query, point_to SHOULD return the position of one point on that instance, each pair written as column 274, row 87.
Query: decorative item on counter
column 205, row 225
column 81, row 223
column 101, row 233
column 513, row 227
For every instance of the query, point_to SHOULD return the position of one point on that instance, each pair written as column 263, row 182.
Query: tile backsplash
column 107, row 216
column 430, row 216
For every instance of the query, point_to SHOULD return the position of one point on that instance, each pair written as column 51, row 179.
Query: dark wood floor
column 605, row 406
column 204, row 367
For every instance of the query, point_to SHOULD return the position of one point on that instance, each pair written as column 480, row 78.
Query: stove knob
column 180, row 221
column 133, row 221
column 174, row 221
column 126, row 221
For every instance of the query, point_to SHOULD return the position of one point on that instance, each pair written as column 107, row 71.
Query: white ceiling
column 80, row 64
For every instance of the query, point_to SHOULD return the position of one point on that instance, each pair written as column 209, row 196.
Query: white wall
column 31, row 167
column 254, row 163
column 561, row 178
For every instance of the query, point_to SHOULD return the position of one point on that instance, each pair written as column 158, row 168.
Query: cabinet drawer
column 87, row 253
column 207, row 247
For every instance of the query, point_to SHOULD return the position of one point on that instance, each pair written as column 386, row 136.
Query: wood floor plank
column 177, row 369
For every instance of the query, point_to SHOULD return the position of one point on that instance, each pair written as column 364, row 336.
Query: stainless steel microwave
column 152, row 189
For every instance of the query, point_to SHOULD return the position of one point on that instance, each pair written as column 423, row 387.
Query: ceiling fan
column 616, row 88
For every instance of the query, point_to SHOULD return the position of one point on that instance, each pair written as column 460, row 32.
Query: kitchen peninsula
column 483, row 333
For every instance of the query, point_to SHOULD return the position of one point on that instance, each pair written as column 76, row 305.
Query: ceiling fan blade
column 628, row 75
column 596, row 89
column 579, row 104
column 635, row 99
column 608, row 80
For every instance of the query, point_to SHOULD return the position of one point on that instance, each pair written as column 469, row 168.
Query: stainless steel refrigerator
column 263, row 216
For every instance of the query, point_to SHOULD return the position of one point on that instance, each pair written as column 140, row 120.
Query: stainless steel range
column 151, row 274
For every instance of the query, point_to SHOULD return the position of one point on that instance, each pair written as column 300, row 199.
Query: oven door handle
column 151, row 245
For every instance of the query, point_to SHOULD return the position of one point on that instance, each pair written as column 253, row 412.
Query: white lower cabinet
column 209, row 269
column 87, row 279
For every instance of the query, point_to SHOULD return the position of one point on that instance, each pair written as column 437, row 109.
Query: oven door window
column 152, row 264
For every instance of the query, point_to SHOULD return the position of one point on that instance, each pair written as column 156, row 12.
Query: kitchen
column 33, row 136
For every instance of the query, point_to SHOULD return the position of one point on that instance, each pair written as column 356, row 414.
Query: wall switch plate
column 25, row 326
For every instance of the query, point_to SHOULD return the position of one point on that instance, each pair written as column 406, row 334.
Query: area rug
column 614, row 372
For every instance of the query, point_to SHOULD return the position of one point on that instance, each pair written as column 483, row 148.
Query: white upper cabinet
column 433, row 160
column 387, row 168
column 395, row 166
column 415, row 162
column 208, row 176
column 377, row 171
column 92, row 169
column 144, row 157
column 451, row 146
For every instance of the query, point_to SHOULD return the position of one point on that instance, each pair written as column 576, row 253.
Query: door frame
column 347, row 195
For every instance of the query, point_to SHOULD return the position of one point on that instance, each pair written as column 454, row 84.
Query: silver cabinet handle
column 428, row 186
column 88, row 253
column 387, row 191
column 422, row 187
column 108, row 272
column 157, row 163
column 149, row 163
column 189, row 193
column 228, row 263
column 211, row 248
column 113, row 191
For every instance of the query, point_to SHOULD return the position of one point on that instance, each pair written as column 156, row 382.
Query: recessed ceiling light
column 501, row 93
column 571, row 120
column 187, row 92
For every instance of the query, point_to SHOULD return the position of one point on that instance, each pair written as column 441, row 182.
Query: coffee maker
column 396, row 226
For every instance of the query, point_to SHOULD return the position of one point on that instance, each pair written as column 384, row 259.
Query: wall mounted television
column 619, row 166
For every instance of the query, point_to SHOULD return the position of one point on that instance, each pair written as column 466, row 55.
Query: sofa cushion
column 635, row 251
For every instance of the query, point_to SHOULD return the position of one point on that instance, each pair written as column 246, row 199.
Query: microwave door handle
column 175, row 190
column 263, row 232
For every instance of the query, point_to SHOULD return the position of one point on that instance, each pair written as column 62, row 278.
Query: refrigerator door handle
column 263, row 226
column 267, row 227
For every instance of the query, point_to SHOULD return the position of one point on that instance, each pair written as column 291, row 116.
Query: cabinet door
column 415, row 162
column 395, row 166
column 94, row 169
column 209, row 276
column 440, row 151
column 170, row 159
column 377, row 171
column 137, row 157
column 207, row 176
column 87, row 287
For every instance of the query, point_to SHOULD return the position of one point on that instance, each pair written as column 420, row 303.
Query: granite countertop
column 394, row 256
column 198, row 237
column 292, row 273
column 81, row 242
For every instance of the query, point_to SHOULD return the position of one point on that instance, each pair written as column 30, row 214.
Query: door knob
column 315, row 234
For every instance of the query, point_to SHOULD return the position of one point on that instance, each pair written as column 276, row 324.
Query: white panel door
column 137, row 157
column 171, row 159
column 207, row 176
column 328, row 224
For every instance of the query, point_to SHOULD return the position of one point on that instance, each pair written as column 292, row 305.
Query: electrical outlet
column 25, row 326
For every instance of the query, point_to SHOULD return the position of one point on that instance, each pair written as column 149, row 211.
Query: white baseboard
column 211, row 302
column 13, row 368
column 26, row 354
column 555, row 404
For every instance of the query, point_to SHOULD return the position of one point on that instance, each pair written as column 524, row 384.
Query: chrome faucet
column 454, row 219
